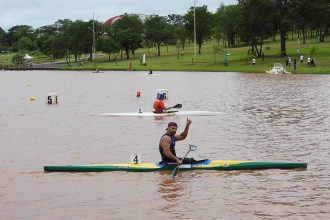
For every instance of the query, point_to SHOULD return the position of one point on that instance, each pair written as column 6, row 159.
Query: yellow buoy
column 32, row 98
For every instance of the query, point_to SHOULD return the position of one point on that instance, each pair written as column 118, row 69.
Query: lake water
column 267, row 118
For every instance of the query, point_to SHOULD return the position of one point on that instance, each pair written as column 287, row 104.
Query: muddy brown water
column 267, row 118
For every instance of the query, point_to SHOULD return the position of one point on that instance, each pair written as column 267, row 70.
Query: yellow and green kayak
column 200, row 165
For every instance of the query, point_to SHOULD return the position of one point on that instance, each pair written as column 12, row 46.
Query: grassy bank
column 238, row 59
column 5, row 58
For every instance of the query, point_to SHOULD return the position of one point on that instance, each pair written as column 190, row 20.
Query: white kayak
column 170, row 113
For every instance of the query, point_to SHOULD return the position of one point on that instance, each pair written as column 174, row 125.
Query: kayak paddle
column 176, row 169
column 176, row 106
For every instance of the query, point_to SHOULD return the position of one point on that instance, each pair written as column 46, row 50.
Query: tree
column 327, row 5
column 27, row 44
column 44, row 33
column 283, row 21
column 80, row 38
column 17, row 59
column 204, row 22
column 302, row 15
column 55, row 46
column 180, row 32
column 320, row 19
column 157, row 31
column 227, row 23
column 3, row 40
column 88, row 39
column 17, row 32
column 108, row 45
column 257, row 22
column 127, row 31
column 46, row 30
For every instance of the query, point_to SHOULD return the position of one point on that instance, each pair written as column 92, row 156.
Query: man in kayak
column 159, row 105
column 167, row 144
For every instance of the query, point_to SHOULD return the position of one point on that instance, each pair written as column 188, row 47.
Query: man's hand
column 184, row 134
column 188, row 123
column 178, row 161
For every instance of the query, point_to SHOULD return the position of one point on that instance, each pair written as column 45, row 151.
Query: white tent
column 27, row 57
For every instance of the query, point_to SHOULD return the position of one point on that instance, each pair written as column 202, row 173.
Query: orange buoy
column 138, row 94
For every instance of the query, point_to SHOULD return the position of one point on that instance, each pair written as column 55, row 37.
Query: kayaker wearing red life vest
column 159, row 105
column 167, row 144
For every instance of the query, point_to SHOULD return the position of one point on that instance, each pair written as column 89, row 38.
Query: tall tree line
column 249, row 22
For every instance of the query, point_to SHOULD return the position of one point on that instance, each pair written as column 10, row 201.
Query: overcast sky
column 37, row 13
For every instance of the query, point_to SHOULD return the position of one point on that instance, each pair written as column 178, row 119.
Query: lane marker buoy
column 52, row 98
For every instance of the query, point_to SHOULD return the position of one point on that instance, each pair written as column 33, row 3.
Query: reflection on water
column 268, row 118
column 169, row 189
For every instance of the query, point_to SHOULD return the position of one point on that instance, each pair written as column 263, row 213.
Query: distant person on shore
column 289, row 61
column 286, row 61
column 254, row 61
column 301, row 59
column 308, row 61
column 312, row 62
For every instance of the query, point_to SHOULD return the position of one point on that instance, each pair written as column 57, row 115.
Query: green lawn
column 238, row 60
column 5, row 58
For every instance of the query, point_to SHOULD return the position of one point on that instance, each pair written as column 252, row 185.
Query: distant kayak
column 169, row 113
column 201, row 165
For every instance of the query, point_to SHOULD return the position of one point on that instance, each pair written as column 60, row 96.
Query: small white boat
column 277, row 69
column 169, row 113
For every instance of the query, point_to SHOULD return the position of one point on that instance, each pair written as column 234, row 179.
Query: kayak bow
column 202, row 165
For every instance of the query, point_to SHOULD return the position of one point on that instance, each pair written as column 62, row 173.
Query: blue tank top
column 172, row 149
